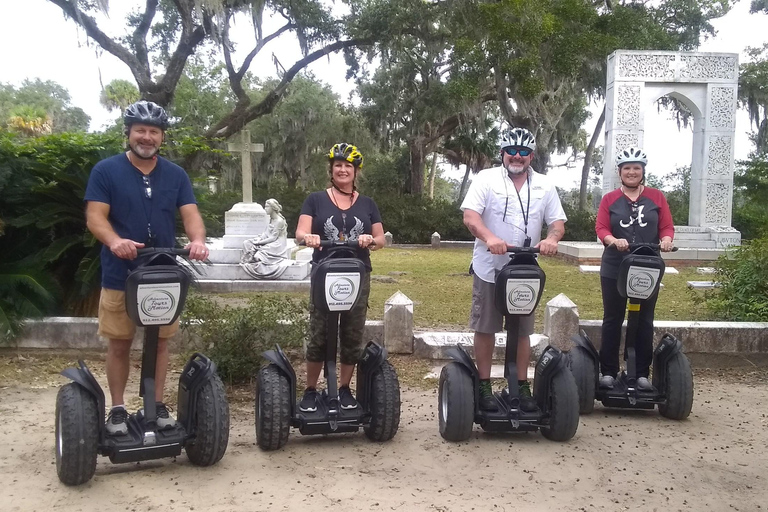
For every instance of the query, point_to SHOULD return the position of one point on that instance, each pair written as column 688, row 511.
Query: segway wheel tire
column 456, row 403
column 385, row 404
column 211, row 424
column 679, row 388
column 272, row 408
column 563, row 407
column 77, row 434
column 583, row 369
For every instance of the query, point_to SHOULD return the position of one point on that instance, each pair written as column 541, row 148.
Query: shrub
column 235, row 337
column 743, row 277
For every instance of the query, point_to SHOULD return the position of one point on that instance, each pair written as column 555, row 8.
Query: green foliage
column 750, row 209
column 235, row 337
column 213, row 207
column 118, row 94
column 42, row 185
column 743, row 277
column 753, row 93
column 24, row 293
column 412, row 220
column 580, row 225
column 44, row 99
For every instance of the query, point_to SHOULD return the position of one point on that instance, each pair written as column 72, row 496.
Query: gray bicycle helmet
column 146, row 112
column 631, row 156
column 517, row 137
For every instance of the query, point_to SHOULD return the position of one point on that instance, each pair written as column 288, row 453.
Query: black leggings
column 614, row 306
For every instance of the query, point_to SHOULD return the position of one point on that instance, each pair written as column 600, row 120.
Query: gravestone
column 246, row 219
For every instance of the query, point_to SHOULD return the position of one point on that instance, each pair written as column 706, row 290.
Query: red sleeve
column 666, row 225
column 603, row 220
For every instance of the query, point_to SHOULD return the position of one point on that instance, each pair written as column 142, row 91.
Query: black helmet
column 146, row 112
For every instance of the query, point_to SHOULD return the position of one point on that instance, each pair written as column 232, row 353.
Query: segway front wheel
column 77, row 434
column 583, row 369
column 679, row 388
column 563, row 403
column 456, row 403
column 384, row 403
column 273, row 408
column 211, row 424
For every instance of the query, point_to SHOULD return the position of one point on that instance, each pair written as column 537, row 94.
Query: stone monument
column 707, row 83
column 267, row 256
column 246, row 219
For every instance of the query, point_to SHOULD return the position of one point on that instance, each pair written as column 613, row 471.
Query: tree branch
column 140, row 34
column 261, row 44
column 94, row 32
column 588, row 160
column 243, row 114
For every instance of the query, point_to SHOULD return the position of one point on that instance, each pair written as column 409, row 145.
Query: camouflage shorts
column 351, row 329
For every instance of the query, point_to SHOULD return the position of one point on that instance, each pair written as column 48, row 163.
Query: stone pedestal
column 561, row 321
column 388, row 238
column 243, row 221
column 725, row 237
column 435, row 240
column 398, row 324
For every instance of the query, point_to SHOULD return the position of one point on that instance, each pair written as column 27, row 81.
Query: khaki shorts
column 485, row 318
column 114, row 322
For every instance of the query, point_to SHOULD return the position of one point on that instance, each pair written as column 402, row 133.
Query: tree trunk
column 464, row 184
column 432, row 173
column 588, row 161
column 417, row 166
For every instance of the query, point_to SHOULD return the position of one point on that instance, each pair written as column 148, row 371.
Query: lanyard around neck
column 526, row 211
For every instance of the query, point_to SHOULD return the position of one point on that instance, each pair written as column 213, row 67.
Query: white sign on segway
column 157, row 303
column 521, row 295
column 341, row 290
column 641, row 282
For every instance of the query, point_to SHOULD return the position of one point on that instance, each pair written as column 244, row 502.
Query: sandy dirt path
column 717, row 460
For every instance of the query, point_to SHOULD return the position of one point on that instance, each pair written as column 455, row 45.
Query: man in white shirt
column 504, row 206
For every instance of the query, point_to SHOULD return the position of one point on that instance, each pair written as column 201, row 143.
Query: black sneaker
column 487, row 400
column 309, row 401
column 346, row 400
column 527, row 403
column 164, row 419
column 117, row 421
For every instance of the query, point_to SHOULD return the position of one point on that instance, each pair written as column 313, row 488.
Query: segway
column 335, row 287
column 155, row 293
column 518, row 290
column 640, row 275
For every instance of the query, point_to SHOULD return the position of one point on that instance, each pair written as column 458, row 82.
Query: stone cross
column 246, row 147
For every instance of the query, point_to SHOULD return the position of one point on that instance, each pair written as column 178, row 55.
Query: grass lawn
column 441, row 290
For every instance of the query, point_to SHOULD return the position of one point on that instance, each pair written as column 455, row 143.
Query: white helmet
column 517, row 137
column 631, row 155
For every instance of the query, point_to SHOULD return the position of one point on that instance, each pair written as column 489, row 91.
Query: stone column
column 561, row 321
column 398, row 324
column 435, row 240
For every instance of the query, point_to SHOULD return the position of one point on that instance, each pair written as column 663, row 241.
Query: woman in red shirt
column 633, row 213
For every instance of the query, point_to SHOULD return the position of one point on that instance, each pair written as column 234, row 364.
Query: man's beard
column 144, row 153
column 515, row 168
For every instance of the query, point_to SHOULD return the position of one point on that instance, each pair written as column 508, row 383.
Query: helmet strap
column 348, row 194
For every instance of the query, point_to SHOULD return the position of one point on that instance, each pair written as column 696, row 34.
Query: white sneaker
column 607, row 382
column 643, row 384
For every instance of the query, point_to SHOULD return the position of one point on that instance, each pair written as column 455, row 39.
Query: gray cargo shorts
column 484, row 317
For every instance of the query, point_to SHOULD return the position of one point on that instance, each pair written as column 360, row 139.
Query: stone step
column 497, row 372
column 703, row 285
column 691, row 236
column 696, row 244
column 238, row 286
column 591, row 269
column 433, row 344
column 296, row 271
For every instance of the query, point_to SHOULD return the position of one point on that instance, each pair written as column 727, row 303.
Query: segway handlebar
column 529, row 250
column 340, row 243
column 633, row 246
column 146, row 251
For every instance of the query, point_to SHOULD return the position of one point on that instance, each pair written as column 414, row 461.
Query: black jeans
column 614, row 306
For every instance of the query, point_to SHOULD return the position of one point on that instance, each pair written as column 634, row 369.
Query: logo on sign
column 641, row 282
column 341, row 289
column 521, row 296
column 158, row 303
